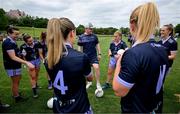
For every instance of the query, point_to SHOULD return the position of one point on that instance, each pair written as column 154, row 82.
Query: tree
column 80, row 29
column 124, row 31
column 177, row 29
column 2, row 11
column 12, row 21
column 26, row 21
column 40, row 22
column 3, row 20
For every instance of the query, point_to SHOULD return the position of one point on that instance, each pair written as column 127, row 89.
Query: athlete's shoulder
column 75, row 52
column 139, row 49
column 171, row 40
column 122, row 42
column 5, row 42
column 82, row 35
column 94, row 35
column 8, row 41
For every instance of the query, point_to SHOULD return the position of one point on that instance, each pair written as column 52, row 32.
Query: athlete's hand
column 99, row 57
column 30, row 65
column 43, row 61
column 119, row 54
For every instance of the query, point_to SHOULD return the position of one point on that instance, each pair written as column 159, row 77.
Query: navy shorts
column 93, row 60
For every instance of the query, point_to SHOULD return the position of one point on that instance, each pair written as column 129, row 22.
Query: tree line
column 37, row 22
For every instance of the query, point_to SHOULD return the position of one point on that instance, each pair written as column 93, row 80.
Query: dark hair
column 43, row 36
column 172, row 32
column 10, row 29
column 26, row 37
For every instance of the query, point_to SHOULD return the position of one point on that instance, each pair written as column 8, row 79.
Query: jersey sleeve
column 174, row 46
column 129, row 69
column 87, row 66
column 124, row 45
column 9, row 46
column 111, row 46
column 96, row 40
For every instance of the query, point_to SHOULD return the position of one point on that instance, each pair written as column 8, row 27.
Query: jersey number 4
column 59, row 83
column 161, row 78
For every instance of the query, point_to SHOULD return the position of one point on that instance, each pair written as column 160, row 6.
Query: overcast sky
column 102, row 13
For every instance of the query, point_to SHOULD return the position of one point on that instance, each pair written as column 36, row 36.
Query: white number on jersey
column 60, row 80
column 161, row 78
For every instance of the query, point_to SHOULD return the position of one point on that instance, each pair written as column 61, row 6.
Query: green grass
column 108, row 104
column 35, row 32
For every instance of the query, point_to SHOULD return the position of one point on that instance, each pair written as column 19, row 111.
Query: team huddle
column 139, row 71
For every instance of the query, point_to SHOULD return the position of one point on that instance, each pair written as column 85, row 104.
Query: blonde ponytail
column 57, row 33
column 54, row 42
column 147, row 20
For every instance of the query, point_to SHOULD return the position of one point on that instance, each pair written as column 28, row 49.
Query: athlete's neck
column 117, row 42
column 165, row 39
column 12, row 39
column 69, row 44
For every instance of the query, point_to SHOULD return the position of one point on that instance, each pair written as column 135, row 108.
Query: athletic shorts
column 36, row 63
column 93, row 60
column 112, row 62
column 13, row 72
column 90, row 111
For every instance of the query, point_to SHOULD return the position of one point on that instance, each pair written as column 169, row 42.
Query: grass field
column 108, row 104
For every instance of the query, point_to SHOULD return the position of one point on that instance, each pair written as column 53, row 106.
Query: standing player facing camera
column 31, row 51
column 169, row 42
column 140, row 71
column 89, row 43
column 117, row 45
column 67, row 68
column 12, row 61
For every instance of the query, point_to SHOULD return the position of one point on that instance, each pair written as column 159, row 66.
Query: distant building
column 15, row 13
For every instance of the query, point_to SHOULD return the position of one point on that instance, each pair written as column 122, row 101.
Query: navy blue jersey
column 32, row 52
column 44, row 48
column 170, row 45
column 89, row 42
column 9, row 45
column 68, row 77
column 143, row 69
column 114, row 48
